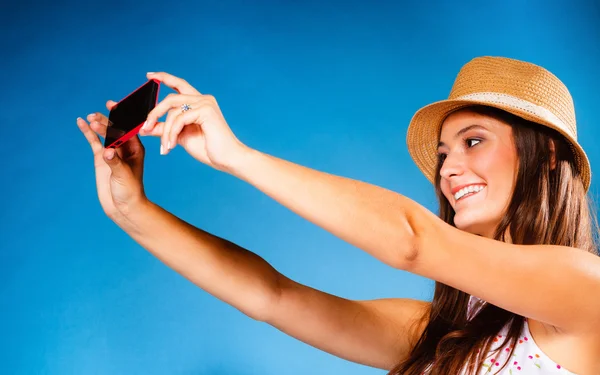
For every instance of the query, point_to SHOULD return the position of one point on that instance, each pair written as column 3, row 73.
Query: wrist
column 238, row 161
column 130, row 215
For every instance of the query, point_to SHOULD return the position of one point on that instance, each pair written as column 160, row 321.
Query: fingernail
column 162, row 150
column 169, row 145
column 150, row 73
column 110, row 155
column 145, row 126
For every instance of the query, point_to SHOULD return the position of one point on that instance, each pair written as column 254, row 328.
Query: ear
column 552, row 155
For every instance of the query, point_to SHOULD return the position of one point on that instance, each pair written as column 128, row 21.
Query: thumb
column 117, row 167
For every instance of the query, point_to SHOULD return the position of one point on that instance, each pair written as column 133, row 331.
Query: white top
column 527, row 358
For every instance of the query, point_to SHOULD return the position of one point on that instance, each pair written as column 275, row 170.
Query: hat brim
column 424, row 129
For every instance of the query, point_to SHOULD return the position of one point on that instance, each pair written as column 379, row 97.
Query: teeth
column 469, row 189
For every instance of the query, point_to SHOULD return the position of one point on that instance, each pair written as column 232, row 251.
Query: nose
column 453, row 165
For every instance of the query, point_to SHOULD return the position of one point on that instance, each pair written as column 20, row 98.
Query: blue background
column 329, row 85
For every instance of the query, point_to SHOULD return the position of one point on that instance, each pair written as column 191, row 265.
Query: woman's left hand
column 195, row 122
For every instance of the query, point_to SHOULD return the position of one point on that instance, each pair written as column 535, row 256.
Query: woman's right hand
column 119, row 172
column 201, row 129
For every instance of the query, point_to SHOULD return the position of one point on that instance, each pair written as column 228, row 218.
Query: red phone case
column 119, row 141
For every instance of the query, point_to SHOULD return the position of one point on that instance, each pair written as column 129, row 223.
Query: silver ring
column 185, row 107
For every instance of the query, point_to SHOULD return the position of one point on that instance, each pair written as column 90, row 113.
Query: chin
column 476, row 224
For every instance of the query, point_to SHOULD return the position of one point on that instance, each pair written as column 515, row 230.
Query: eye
column 471, row 140
column 441, row 157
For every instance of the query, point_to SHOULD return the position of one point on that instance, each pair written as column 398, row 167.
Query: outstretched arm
column 229, row 272
column 527, row 280
column 376, row 333
column 369, row 217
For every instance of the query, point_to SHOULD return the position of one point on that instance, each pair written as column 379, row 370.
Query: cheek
column 499, row 170
column 445, row 187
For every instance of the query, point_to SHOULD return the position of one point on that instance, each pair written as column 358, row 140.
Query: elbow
column 405, row 247
column 264, row 302
column 405, row 253
column 260, row 309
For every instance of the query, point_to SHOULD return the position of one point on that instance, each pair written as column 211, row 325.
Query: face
column 478, row 171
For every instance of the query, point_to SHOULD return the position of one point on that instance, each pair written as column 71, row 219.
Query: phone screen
column 130, row 113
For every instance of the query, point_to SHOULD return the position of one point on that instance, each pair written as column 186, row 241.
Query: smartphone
column 127, row 116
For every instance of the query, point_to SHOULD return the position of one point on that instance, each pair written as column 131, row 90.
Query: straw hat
column 523, row 89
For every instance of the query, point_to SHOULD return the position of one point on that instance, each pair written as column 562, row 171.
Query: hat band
column 520, row 104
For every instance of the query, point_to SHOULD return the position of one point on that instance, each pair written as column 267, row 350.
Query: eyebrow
column 463, row 131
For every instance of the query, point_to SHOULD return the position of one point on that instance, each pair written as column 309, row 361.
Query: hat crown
column 518, row 79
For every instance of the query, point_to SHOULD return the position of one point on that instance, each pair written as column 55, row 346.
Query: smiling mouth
column 468, row 192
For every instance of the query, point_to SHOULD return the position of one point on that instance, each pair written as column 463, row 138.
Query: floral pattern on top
column 527, row 358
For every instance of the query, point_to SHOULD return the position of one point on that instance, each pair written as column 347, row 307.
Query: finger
column 185, row 118
column 194, row 116
column 178, row 84
column 168, row 103
column 132, row 153
column 118, row 168
column 89, row 134
column 164, row 140
column 99, row 128
column 157, row 130
column 110, row 104
column 101, row 118
column 96, row 116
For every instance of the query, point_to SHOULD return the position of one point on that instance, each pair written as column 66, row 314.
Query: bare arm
column 367, row 216
column 227, row 271
column 376, row 333
column 372, row 332
column 527, row 280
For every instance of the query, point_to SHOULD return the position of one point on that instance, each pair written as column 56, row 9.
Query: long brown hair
column 548, row 206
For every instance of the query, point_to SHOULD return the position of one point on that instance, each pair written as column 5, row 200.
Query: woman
column 512, row 251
